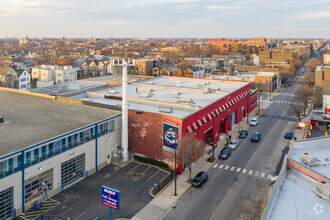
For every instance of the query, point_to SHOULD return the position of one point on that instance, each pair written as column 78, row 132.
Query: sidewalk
column 163, row 202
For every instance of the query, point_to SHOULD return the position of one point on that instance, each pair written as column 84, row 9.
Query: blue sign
column 170, row 134
column 110, row 197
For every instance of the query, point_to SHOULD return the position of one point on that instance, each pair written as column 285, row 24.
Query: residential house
column 194, row 72
column 24, row 79
column 94, row 68
column 145, row 67
column 8, row 77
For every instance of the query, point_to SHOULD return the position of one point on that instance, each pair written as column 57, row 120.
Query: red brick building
column 229, row 46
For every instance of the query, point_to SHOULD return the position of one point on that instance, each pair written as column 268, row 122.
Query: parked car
column 243, row 134
column 225, row 153
column 233, row 144
column 255, row 137
column 288, row 135
column 254, row 122
column 200, row 179
column 290, row 83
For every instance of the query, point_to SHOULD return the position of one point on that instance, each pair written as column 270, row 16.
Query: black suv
column 225, row 153
column 255, row 137
column 200, row 179
column 243, row 134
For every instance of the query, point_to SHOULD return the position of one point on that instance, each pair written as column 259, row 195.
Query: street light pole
column 270, row 89
column 175, row 172
column 213, row 138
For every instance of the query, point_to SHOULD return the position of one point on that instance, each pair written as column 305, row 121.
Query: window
column 9, row 166
column 57, row 147
column 322, row 75
column 17, row 163
column 70, row 145
column 43, row 153
column 64, row 146
column 35, row 158
column 2, row 169
column 50, row 151
column 75, row 138
column 27, row 159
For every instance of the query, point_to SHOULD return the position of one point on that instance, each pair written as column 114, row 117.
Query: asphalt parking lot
column 83, row 200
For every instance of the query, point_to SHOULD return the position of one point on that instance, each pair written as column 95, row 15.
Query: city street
column 222, row 196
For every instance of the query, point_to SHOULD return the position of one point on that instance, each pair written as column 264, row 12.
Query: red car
column 290, row 83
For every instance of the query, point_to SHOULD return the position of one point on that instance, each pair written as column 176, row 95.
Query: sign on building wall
column 110, row 197
column 170, row 135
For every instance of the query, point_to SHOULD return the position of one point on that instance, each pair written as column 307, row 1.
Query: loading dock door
column 72, row 170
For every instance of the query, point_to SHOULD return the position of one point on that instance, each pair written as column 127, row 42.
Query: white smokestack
column 124, row 140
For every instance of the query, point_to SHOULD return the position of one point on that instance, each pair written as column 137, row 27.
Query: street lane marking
column 251, row 171
column 275, row 177
column 65, row 211
column 244, row 170
column 79, row 216
column 153, row 175
column 215, row 165
column 226, row 168
column 238, row 169
column 269, row 176
column 262, row 175
column 256, row 173
column 133, row 168
column 221, row 166
column 233, row 168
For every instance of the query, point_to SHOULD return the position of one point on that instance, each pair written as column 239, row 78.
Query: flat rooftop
column 183, row 95
column 318, row 147
column 66, row 88
column 297, row 199
column 29, row 120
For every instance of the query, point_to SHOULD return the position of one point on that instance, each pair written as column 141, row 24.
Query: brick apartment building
column 229, row 46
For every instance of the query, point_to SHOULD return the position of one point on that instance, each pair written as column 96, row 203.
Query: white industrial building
column 48, row 145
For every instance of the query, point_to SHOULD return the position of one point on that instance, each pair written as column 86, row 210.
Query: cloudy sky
column 165, row 18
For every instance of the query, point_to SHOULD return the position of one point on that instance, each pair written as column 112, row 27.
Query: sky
column 165, row 18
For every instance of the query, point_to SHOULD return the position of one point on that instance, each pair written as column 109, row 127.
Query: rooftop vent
column 165, row 110
column 308, row 159
column 206, row 90
column 186, row 100
column 112, row 91
column 323, row 189
column 1, row 119
column 148, row 90
column 145, row 95
column 201, row 84
column 150, row 82
column 175, row 93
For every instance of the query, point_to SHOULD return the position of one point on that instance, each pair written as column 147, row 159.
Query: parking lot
column 83, row 200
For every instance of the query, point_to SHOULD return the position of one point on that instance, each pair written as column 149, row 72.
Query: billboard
column 170, row 135
column 110, row 197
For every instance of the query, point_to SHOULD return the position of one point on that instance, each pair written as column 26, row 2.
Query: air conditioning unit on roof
column 323, row 188
column 165, row 110
column 308, row 159
column 112, row 91
column 147, row 90
column 145, row 95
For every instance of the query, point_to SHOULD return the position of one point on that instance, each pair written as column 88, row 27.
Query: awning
column 189, row 129
column 227, row 105
column 217, row 111
column 194, row 125
column 204, row 120
column 210, row 117
column 199, row 123
column 220, row 109
column 223, row 107
column 230, row 103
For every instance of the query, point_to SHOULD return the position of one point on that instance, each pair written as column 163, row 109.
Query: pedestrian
column 229, row 137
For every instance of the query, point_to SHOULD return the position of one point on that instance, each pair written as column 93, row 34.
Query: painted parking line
column 79, row 216
column 262, row 175
column 244, row 170
column 215, row 165
column 269, row 176
column 233, row 168
column 238, row 169
column 220, row 167
column 153, row 175
column 226, row 168
column 145, row 170
column 47, row 205
column 251, row 171
column 256, row 173
column 65, row 211
column 133, row 168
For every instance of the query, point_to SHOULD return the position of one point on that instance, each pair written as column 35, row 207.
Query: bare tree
column 191, row 149
column 312, row 64
column 296, row 110
column 305, row 95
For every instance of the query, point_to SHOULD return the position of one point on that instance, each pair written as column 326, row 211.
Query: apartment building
column 322, row 75
column 277, row 58
column 54, row 73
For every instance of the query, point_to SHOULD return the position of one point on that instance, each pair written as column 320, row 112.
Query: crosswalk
column 289, row 94
column 286, row 102
column 245, row 171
